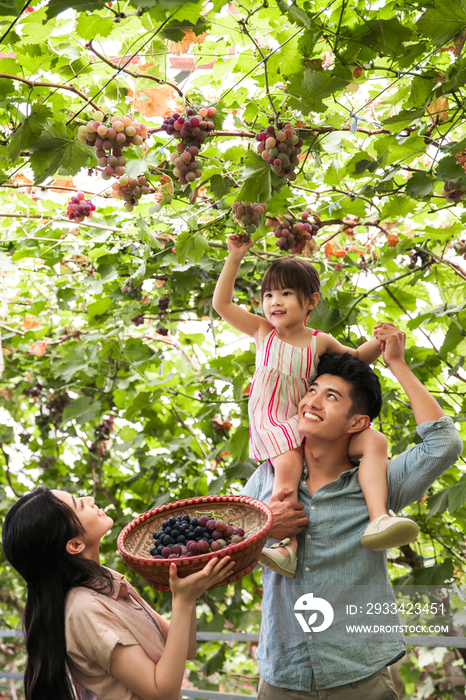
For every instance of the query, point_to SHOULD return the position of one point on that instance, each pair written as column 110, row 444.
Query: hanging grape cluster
column 79, row 207
column 109, row 142
column 192, row 131
column 293, row 236
column 452, row 192
column 130, row 190
column 248, row 215
column 280, row 148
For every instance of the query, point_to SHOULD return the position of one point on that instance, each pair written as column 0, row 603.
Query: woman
column 84, row 615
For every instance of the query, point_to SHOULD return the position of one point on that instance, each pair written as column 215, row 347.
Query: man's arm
column 411, row 473
column 392, row 340
column 289, row 517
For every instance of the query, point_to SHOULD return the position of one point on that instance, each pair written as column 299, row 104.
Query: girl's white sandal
column 285, row 566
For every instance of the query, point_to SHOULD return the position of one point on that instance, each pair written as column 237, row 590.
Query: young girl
column 287, row 356
column 87, row 617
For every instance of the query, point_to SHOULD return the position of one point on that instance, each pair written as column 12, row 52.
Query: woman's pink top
column 282, row 377
column 95, row 624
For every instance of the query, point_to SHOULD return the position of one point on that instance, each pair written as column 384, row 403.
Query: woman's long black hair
column 34, row 537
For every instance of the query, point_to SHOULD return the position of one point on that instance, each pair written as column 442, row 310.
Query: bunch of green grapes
column 248, row 215
column 280, row 148
column 109, row 141
column 130, row 190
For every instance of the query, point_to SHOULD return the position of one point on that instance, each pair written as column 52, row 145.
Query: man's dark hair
column 365, row 393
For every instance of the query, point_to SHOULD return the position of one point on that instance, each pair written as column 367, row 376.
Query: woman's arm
column 162, row 681
column 222, row 302
column 165, row 626
column 367, row 352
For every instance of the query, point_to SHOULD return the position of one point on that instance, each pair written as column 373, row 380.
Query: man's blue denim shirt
column 333, row 565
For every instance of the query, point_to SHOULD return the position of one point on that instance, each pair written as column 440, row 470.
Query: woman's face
column 94, row 521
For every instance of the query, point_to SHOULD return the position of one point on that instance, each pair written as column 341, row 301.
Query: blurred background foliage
column 119, row 379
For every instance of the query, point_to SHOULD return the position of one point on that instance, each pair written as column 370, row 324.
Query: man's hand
column 392, row 342
column 289, row 517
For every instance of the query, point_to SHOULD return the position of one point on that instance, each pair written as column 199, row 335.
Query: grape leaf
column 91, row 26
column 309, row 88
column 256, row 177
column 190, row 245
column 55, row 7
column 29, row 131
column 419, row 185
column 443, row 21
column 56, row 151
column 81, row 410
column 295, row 13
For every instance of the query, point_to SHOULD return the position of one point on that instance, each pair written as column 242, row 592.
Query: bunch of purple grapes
column 452, row 192
column 130, row 190
column 248, row 215
column 184, row 536
column 110, row 140
column 79, row 207
column 280, row 148
column 293, row 237
column 192, row 131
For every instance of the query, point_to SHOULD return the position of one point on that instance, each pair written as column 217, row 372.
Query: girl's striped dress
column 281, row 380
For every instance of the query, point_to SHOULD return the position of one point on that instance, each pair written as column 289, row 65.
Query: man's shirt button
column 308, row 537
column 309, row 637
column 313, row 507
column 307, row 569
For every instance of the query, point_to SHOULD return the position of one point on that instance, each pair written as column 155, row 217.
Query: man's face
column 323, row 412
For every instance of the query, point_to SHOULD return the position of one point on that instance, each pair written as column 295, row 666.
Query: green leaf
column 437, row 503
column 443, row 21
column 295, row 13
column 449, row 169
column 56, row 151
column 309, row 88
column 435, row 575
column 55, row 7
column 98, row 307
column 238, row 445
column 419, row 185
column 82, row 410
column 256, row 178
column 452, row 338
column 91, row 26
column 190, row 245
column 29, row 131
column 386, row 35
column 457, row 495
column 6, row 434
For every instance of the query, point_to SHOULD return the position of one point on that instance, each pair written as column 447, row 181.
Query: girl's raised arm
column 367, row 352
column 222, row 302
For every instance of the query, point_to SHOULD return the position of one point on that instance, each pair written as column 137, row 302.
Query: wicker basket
column 135, row 540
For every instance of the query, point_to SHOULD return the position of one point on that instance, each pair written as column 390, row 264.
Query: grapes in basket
column 184, row 536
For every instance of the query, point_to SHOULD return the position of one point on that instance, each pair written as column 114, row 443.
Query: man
column 297, row 660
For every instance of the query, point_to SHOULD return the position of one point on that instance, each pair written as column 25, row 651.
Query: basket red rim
column 200, row 558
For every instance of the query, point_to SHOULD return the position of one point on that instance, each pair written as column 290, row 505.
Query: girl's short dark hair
column 295, row 274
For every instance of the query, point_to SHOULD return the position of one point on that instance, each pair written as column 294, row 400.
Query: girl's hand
column 237, row 248
column 192, row 586
column 392, row 341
